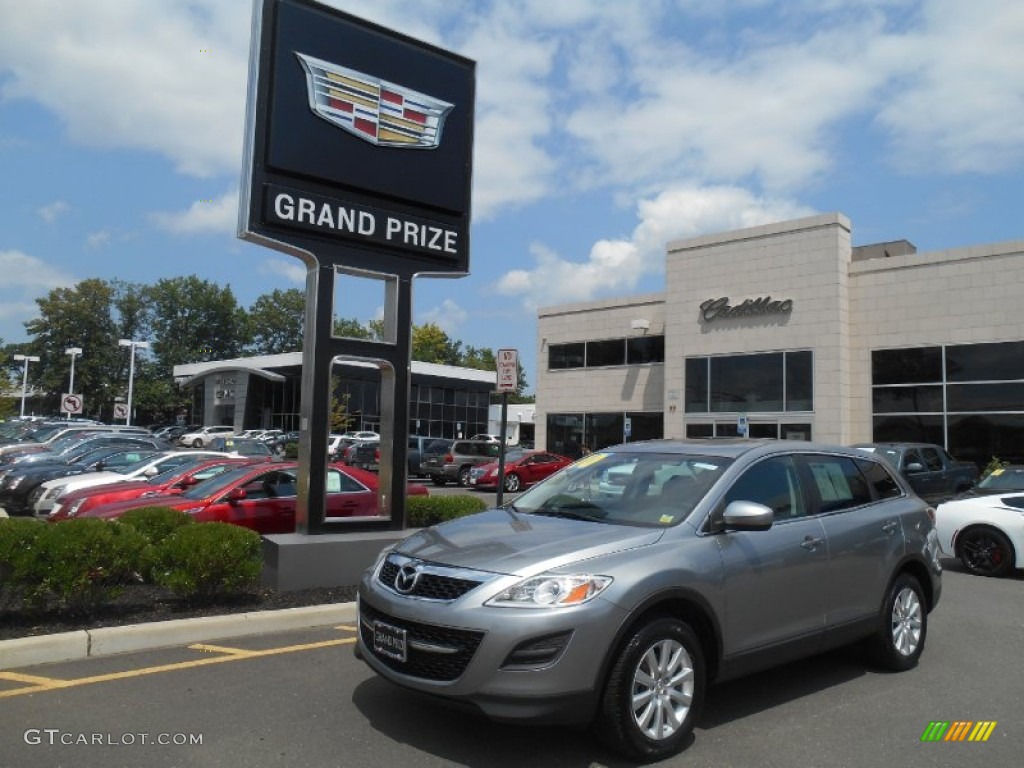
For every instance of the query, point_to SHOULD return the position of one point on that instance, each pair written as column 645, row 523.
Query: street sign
column 627, row 429
column 742, row 425
column 120, row 410
column 508, row 370
column 71, row 404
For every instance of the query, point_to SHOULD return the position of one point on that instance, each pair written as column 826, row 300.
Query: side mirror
column 748, row 516
column 914, row 467
column 187, row 482
column 235, row 494
column 151, row 472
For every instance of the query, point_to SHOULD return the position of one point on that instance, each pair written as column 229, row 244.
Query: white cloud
column 449, row 316
column 617, row 266
column 961, row 103
column 214, row 216
column 118, row 79
column 292, row 270
column 98, row 239
column 49, row 213
column 26, row 278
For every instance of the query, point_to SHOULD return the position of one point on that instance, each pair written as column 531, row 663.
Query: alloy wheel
column 663, row 686
column 906, row 622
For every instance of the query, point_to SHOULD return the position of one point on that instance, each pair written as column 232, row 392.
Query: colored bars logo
column 958, row 730
column 375, row 110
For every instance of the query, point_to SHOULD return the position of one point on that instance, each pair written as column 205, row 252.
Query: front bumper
column 562, row 689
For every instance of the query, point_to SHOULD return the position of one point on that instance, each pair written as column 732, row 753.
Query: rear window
column 880, row 479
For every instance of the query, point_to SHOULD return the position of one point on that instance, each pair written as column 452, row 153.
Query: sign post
column 508, row 379
column 358, row 159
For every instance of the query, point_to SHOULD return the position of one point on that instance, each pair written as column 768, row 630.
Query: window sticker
column 831, row 481
column 586, row 461
column 666, row 519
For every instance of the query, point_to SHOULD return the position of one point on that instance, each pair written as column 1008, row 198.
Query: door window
column 774, row 483
column 838, row 483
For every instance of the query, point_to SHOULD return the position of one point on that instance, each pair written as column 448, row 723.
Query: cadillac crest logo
column 375, row 110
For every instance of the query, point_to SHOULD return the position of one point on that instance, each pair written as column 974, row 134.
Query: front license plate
column 389, row 641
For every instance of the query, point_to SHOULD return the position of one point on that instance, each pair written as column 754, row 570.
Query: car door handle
column 811, row 543
column 891, row 527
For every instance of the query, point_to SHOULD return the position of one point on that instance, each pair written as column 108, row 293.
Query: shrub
column 291, row 450
column 156, row 523
column 198, row 561
column 85, row 562
column 421, row 511
column 19, row 544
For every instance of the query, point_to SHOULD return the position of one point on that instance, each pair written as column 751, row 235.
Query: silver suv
column 454, row 464
column 614, row 592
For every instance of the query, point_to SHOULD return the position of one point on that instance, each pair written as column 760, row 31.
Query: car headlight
column 75, row 506
column 552, row 591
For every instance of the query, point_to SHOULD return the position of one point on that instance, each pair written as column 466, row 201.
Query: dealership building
column 265, row 392
column 791, row 331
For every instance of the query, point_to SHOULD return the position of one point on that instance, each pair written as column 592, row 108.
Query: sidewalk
column 85, row 643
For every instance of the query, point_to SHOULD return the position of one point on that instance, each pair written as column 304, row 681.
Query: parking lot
column 300, row 698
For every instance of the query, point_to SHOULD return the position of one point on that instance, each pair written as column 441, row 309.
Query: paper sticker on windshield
column 586, row 461
column 700, row 465
column 997, row 472
column 666, row 519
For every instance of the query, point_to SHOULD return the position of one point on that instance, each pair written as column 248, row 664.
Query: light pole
column 74, row 352
column 24, row 381
column 131, row 370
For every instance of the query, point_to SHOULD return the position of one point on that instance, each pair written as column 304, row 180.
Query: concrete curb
column 105, row 641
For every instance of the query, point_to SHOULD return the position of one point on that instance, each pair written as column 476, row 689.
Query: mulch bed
column 143, row 603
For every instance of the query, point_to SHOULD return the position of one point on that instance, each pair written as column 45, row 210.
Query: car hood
column 500, row 541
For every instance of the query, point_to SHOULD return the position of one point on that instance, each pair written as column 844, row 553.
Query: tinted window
column 697, row 385
column 932, row 459
column 747, row 383
column 645, row 349
column 985, row 397
column 565, row 356
column 773, row 482
column 799, row 381
column 879, row 478
column 838, row 483
column 985, row 362
column 907, row 399
column 914, row 365
column 601, row 353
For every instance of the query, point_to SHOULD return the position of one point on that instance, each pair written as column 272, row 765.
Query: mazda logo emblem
column 405, row 581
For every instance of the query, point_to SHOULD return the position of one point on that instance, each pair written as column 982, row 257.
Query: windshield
column 641, row 489
column 1006, row 479
column 217, row 484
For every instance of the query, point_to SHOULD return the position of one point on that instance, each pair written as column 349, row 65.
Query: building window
column 607, row 353
column 562, row 356
column 755, row 383
column 569, row 433
column 968, row 398
column 645, row 349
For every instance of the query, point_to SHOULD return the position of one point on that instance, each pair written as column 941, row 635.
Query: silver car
column 614, row 592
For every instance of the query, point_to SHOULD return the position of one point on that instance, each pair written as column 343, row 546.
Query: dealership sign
column 358, row 144
column 721, row 309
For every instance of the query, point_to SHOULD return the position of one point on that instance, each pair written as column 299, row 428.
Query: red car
column 262, row 497
column 172, row 482
column 522, row 468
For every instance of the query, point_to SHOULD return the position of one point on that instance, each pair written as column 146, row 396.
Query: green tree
column 193, row 321
column 276, row 322
column 353, row 329
column 82, row 316
column 431, row 345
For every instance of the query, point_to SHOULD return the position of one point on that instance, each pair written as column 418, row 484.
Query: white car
column 361, row 437
column 45, row 496
column 985, row 532
column 203, row 436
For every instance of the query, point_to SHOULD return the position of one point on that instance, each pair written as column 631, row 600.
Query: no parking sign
column 120, row 411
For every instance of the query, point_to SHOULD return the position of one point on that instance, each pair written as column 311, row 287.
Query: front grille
column 459, row 644
column 430, row 586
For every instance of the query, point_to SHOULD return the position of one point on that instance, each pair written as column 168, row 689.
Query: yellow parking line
column 38, row 684
column 220, row 649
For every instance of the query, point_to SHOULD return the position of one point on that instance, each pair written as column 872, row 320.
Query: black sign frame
column 358, row 157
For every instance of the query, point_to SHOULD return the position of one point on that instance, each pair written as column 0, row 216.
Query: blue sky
column 604, row 129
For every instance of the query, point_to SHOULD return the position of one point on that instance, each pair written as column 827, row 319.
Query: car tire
column 464, row 477
column 197, row 443
column 513, row 483
column 903, row 625
column 985, row 551
column 654, row 692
